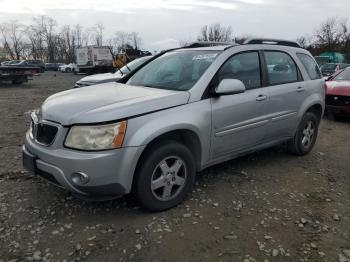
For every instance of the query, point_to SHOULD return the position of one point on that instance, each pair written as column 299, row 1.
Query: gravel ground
column 268, row 206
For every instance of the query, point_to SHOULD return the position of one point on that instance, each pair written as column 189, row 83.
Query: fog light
column 80, row 178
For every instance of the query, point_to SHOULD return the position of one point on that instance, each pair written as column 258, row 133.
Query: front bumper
column 338, row 110
column 110, row 172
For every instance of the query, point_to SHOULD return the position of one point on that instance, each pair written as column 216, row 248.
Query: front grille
column 332, row 100
column 45, row 134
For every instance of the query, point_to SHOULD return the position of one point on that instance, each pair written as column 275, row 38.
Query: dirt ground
column 268, row 206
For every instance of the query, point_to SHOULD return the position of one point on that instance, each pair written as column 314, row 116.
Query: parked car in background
column 110, row 77
column 332, row 68
column 338, row 94
column 14, row 62
column 52, row 66
column 181, row 112
column 68, row 68
column 29, row 63
column 5, row 63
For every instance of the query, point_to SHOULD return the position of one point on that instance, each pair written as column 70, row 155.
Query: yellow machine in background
column 120, row 60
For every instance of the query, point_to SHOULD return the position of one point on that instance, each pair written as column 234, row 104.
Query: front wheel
column 165, row 176
column 305, row 136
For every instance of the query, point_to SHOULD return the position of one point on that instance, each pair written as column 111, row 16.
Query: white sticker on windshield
column 204, row 56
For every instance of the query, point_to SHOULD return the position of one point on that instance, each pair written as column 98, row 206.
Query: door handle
column 300, row 89
column 261, row 98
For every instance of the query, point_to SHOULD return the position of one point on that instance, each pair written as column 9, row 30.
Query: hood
column 339, row 88
column 108, row 102
column 98, row 78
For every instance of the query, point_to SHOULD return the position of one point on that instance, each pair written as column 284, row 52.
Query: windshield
column 176, row 70
column 343, row 76
column 329, row 67
column 133, row 64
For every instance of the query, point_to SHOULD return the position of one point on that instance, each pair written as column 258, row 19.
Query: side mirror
column 230, row 87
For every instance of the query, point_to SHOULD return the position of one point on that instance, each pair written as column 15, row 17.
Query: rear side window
column 244, row 67
column 281, row 68
column 311, row 66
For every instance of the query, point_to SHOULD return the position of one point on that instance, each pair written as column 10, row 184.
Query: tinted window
column 244, row 67
column 176, row 70
column 281, row 68
column 310, row 66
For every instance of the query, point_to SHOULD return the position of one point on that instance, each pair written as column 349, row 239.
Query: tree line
column 332, row 35
column 43, row 39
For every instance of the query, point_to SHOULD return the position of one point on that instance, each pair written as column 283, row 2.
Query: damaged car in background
column 338, row 94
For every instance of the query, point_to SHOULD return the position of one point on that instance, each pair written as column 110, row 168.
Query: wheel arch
column 187, row 137
column 317, row 109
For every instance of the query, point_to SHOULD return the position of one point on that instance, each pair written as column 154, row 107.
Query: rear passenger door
column 286, row 91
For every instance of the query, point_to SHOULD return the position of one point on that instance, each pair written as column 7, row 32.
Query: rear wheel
column 165, row 176
column 305, row 136
column 68, row 70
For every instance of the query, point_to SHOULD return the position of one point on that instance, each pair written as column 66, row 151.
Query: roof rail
column 269, row 41
column 208, row 43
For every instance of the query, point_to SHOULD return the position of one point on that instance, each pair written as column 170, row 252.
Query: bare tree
column 98, row 33
column 121, row 40
column 328, row 35
column 136, row 40
column 13, row 39
column 215, row 33
column 78, row 31
column 45, row 26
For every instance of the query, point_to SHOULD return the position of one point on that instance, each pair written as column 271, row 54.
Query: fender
column 314, row 99
column 149, row 127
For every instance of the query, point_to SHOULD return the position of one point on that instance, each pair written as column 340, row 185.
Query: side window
column 244, row 67
column 310, row 65
column 281, row 68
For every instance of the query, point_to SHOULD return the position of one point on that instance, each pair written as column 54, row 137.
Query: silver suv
column 181, row 112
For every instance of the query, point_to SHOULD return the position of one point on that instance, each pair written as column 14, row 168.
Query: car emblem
column 336, row 98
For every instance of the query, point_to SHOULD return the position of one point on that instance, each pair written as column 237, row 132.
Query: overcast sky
column 163, row 23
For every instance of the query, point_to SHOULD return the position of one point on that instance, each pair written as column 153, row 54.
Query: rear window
column 311, row 66
column 281, row 68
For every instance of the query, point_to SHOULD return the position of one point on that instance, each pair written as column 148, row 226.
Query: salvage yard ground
column 268, row 206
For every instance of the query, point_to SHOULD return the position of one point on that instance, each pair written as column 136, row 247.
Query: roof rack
column 209, row 43
column 269, row 41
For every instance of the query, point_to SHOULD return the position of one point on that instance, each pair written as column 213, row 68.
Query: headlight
column 96, row 137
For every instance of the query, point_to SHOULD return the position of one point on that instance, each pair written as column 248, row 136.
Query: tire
column 305, row 136
column 170, row 187
column 68, row 70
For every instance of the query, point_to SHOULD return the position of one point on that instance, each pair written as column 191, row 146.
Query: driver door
column 239, row 121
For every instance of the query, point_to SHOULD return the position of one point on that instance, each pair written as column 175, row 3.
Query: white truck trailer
column 94, row 59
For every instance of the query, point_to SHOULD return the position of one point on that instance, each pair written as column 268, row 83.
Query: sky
column 164, row 23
